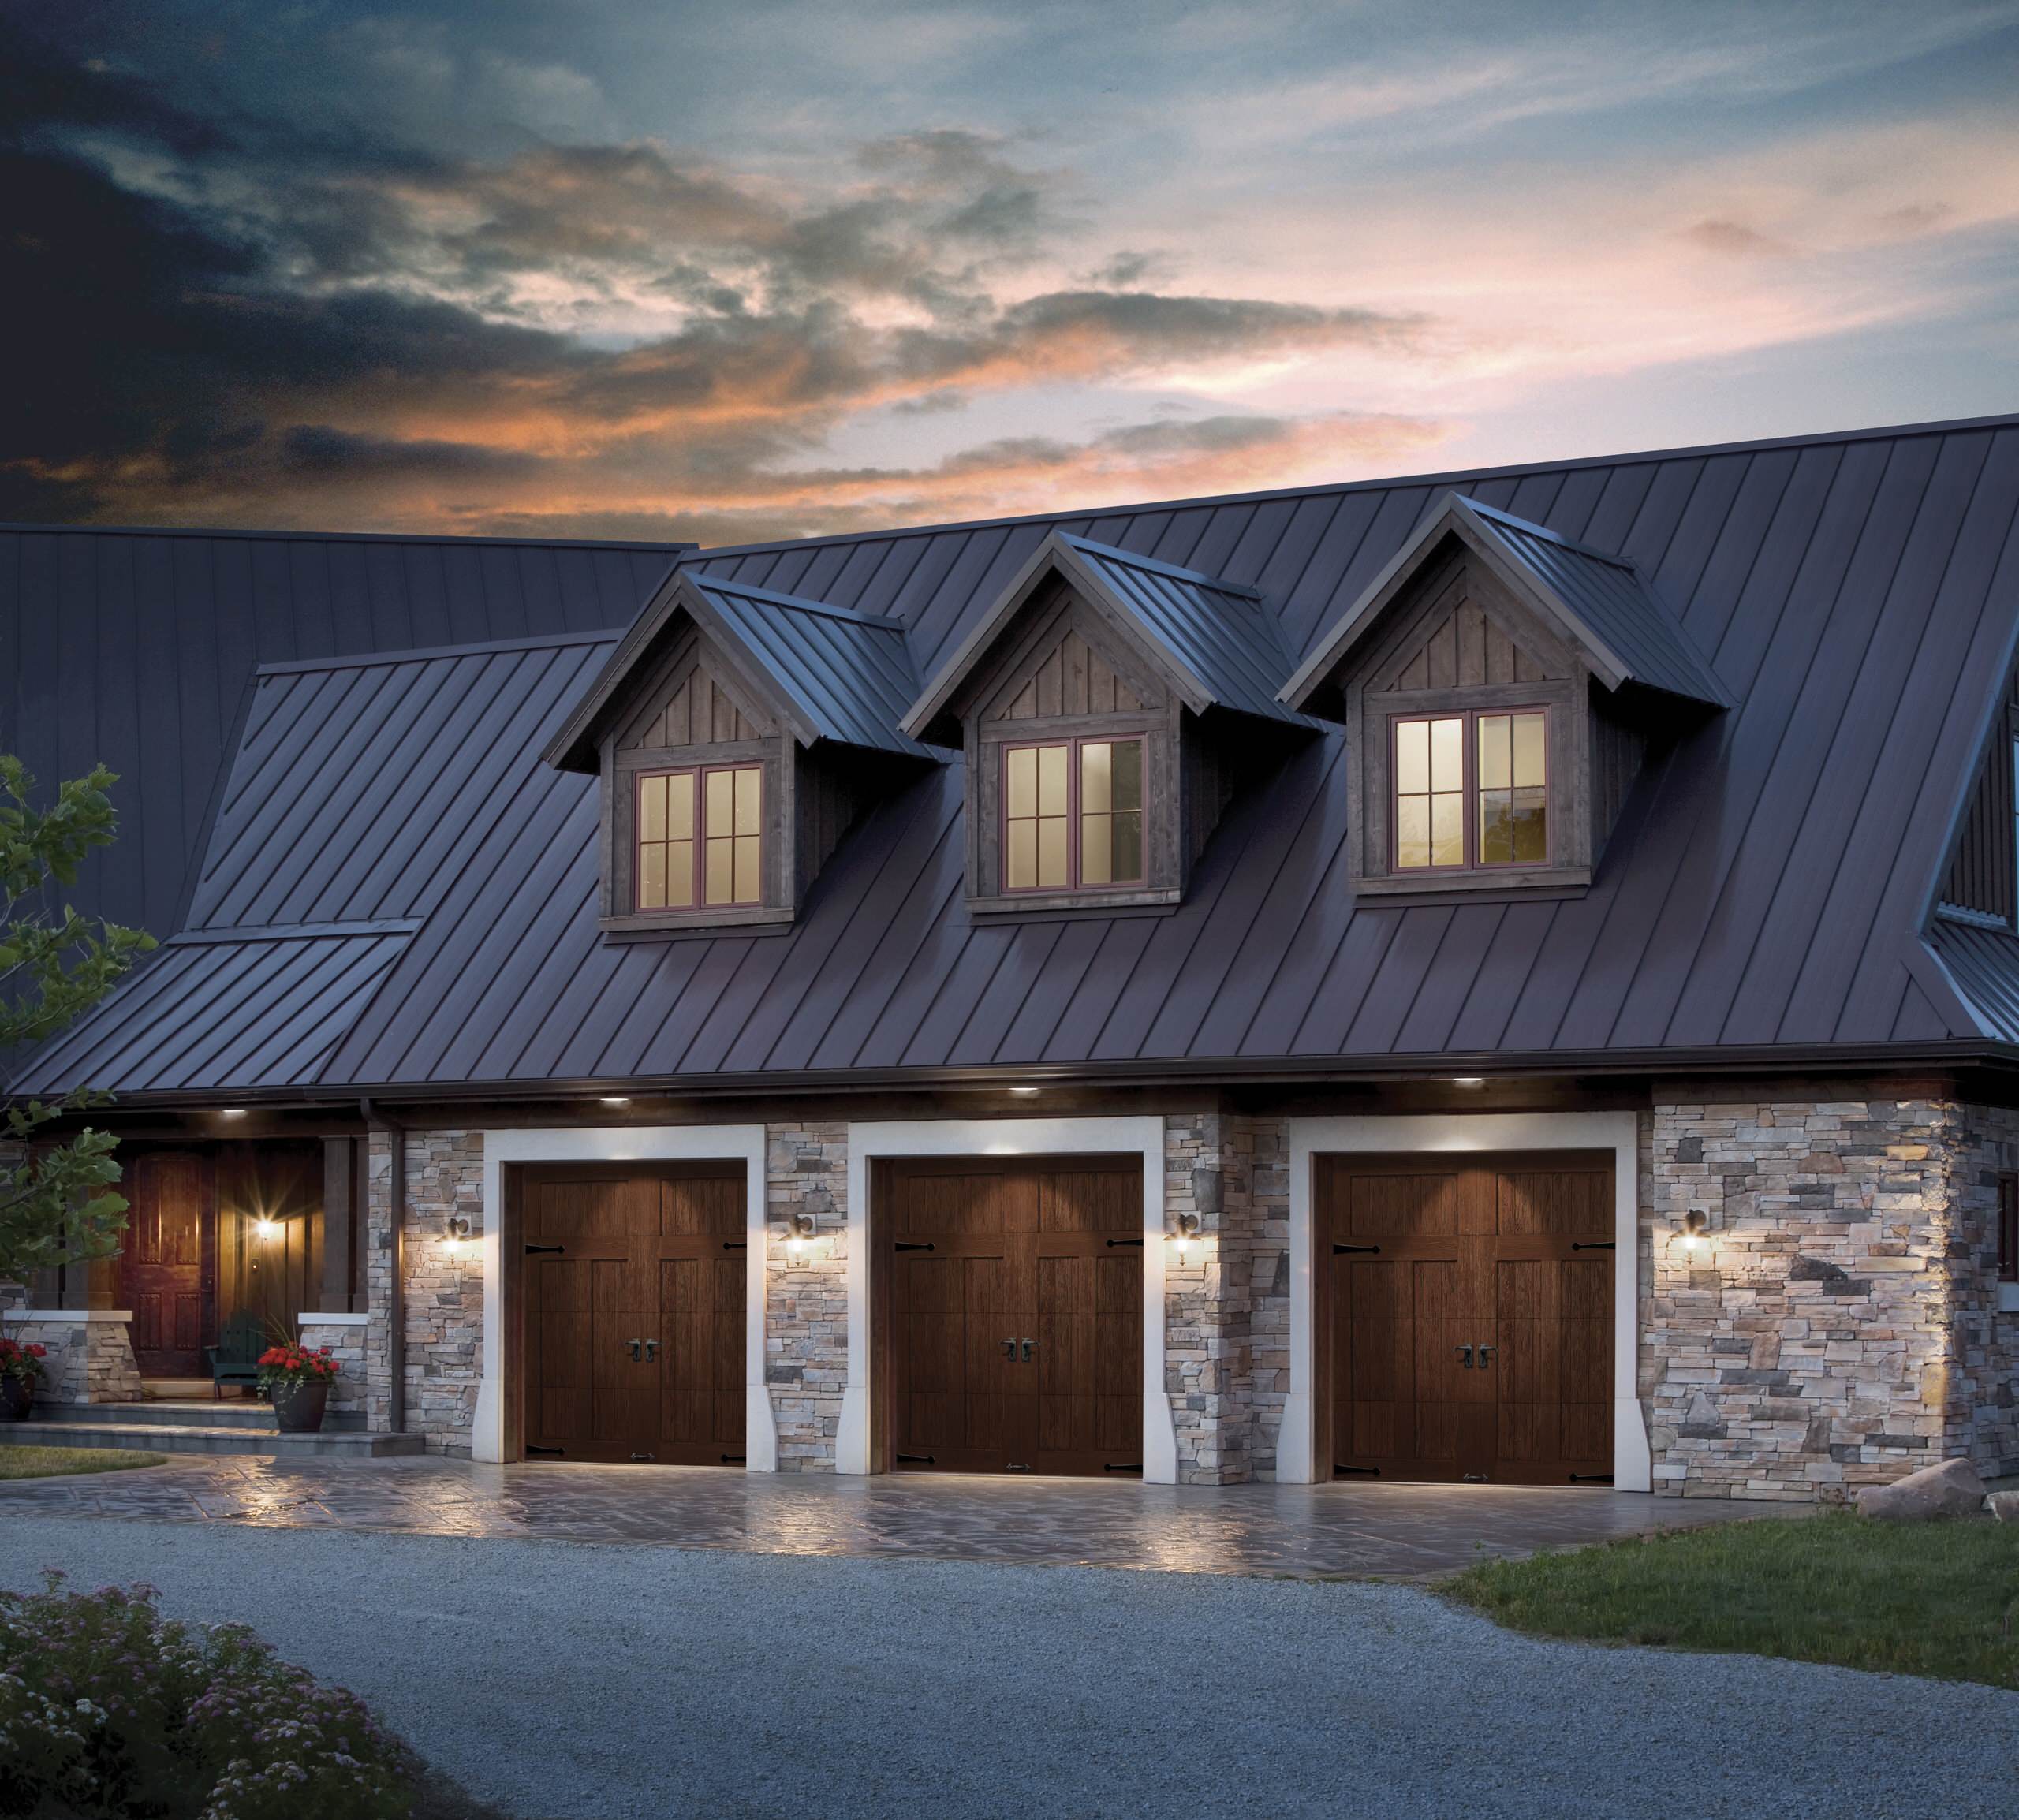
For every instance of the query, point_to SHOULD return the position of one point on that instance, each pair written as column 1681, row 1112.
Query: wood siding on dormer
column 1074, row 678
column 699, row 712
column 1465, row 648
column 1981, row 876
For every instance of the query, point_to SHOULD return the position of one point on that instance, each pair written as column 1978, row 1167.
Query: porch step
column 166, row 1438
column 193, row 1413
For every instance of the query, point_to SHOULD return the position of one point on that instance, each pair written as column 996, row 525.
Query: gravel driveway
column 573, row 1683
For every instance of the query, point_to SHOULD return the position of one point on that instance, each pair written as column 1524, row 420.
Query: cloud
column 1735, row 240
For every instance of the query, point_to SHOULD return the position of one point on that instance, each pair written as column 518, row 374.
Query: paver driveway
column 1391, row 1531
column 567, row 1682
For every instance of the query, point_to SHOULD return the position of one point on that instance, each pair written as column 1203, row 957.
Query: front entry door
column 634, row 1313
column 1466, row 1317
column 165, row 1276
column 1015, row 1313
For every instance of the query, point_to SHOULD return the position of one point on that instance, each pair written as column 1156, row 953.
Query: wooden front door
column 1015, row 1322
column 1465, row 1315
column 166, row 1272
column 634, row 1313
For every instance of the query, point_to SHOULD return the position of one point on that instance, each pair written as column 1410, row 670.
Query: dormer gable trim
column 1208, row 640
column 825, row 672
column 1598, row 603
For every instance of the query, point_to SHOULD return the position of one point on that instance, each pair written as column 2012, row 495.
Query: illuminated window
column 1094, row 786
column 700, row 831
column 1499, row 763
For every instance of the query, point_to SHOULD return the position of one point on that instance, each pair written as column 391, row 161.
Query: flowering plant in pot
column 296, row 1381
column 20, row 1370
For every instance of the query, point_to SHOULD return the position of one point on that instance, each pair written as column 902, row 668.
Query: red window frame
column 699, row 901
column 1073, row 831
column 1468, row 787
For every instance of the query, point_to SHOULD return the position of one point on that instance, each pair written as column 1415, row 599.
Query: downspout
column 396, row 1294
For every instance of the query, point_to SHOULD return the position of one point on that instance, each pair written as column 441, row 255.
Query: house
column 1508, row 975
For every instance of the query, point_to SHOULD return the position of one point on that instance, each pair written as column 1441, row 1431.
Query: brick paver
column 1303, row 1531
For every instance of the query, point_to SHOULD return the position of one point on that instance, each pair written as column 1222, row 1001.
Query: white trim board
column 1010, row 1137
column 625, row 1144
column 1297, row 1454
column 57, row 1316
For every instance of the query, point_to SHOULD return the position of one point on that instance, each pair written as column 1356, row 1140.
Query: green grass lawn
column 1931, row 1598
column 45, row 1462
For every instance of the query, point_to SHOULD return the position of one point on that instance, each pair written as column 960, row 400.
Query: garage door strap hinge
column 1337, row 1249
column 909, row 1245
column 531, row 1249
column 1112, row 1243
column 1134, row 1466
column 736, row 1244
column 914, row 1460
column 1594, row 1244
column 1360, row 1472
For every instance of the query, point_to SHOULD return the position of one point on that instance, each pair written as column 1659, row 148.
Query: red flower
column 38, row 1352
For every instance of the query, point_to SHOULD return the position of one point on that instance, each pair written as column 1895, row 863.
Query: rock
column 1951, row 1488
column 2004, row 1506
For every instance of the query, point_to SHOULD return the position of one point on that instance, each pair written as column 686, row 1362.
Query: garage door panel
column 1555, row 1203
column 701, row 1207
column 1091, row 1201
column 1403, row 1207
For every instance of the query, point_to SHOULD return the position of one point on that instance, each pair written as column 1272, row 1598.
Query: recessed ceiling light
column 233, row 1111
column 1468, row 1081
column 615, row 1099
column 1024, row 1092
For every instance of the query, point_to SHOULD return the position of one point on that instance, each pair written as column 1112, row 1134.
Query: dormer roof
column 834, row 673
column 1599, row 603
column 1210, row 640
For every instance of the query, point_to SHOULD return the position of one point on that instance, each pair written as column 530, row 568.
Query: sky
column 754, row 270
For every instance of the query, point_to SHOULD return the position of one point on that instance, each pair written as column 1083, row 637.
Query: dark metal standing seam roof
column 137, row 647
column 1767, row 884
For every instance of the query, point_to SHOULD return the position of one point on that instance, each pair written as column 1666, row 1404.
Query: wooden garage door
column 1015, row 1339
column 1466, row 1315
column 635, row 1315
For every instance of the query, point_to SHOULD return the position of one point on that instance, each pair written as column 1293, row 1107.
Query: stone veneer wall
column 1981, row 1412
column 1839, row 1328
column 1226, row 1308
column 444, row 1290
column 345, row 1342
column 806, row 1311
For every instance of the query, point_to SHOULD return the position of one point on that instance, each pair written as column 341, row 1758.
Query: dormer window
column 1110, row 707
column 738, row 734
column 1471, row 790
column 700, row 830
column 1095, row 786
column 1499, row 688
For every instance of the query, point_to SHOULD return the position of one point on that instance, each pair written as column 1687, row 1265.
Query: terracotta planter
column 298, row 1407
column 15, row 1395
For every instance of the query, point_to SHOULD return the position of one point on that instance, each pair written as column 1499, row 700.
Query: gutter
column 376, row 1118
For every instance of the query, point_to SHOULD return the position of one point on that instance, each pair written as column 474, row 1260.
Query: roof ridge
column 1450, row 478
column 669, row 547
column 429, row 654
column 878, row 621
column 1219, row 585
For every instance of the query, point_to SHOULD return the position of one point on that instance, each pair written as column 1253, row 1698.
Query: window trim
column 1074, row 834
column 2008, row 1226
column 1468, row 716
column 698, row 905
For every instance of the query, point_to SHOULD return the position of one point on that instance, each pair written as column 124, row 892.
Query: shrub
column 106, row 1708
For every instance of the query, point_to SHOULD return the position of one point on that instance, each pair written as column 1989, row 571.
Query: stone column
column 806, row 1324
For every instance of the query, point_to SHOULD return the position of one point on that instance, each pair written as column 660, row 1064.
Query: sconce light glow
column 264, row 1227
column 1188, row 1230
column 798, row 1233
column 1693, row 1223
column 455, row 1230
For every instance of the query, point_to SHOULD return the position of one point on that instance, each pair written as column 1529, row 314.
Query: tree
column 58, row 1204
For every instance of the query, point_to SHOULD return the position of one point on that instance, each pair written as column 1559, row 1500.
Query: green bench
column 235, row 1358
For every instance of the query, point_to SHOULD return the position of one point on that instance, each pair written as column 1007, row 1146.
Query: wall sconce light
column 1188, row 1230
column 264, row 1227
column 455, row 1229
column 798, row 1234
column 1692, row 1231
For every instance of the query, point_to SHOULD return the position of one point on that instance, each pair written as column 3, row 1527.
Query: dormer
column 1500, row 687
column 1109, row 706
column 737, row 733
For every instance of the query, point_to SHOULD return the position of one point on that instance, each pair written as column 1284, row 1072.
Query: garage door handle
column 1464, row 1357
column 634, row 1344
column 1486, row 1357
column 1030, row 1346
column 652, row 1350
column 1009, row 1351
